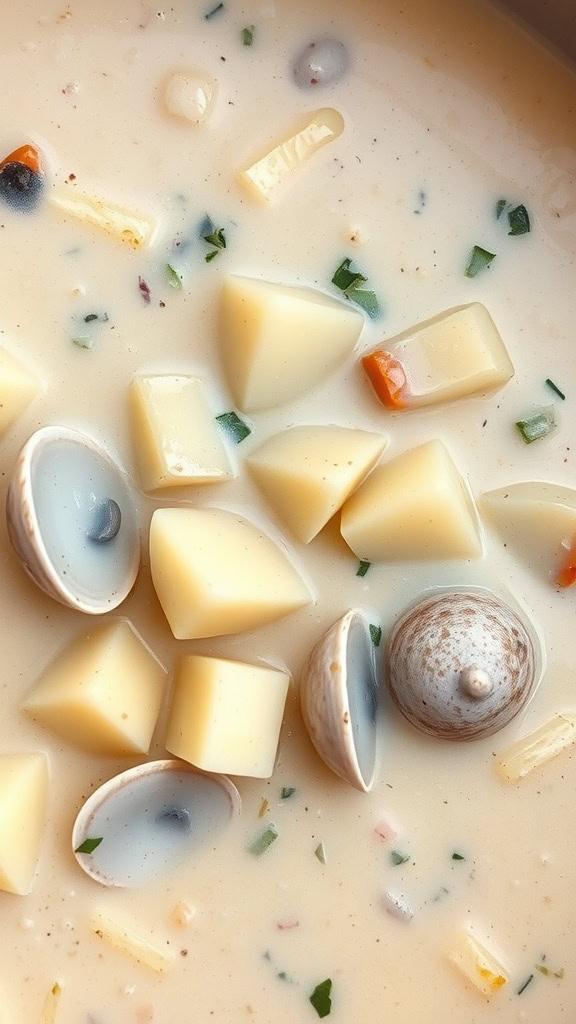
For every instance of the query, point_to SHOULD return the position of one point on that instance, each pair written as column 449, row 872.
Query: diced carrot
column 567, row 575
column 27, row 155
column 387, row 377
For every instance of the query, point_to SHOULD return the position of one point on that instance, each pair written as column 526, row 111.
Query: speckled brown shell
column 437, row 638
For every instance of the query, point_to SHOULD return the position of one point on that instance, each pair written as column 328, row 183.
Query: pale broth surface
column 445, row 100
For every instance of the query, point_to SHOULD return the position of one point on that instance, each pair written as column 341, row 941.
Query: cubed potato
column 457, row 353
column 478, row 964
column 279, row 341
column 17, row 389
column 414, row 507
column 226, row 715
column 266, row 177
column 177, row 442
column 216, row 573
column 23, row 807
column 537, row 521
column 102, row 693
column 308, row 472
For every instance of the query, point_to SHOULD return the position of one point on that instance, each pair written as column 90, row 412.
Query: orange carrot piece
column 567, row 575
column 27, row 155
column 387, row 377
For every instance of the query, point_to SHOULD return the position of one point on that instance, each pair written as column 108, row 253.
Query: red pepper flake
column 286, row 926
column 144, row 289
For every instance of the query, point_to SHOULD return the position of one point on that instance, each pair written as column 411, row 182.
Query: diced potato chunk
column 226, row 715
column 129, row 226
column 216, row 573
column 537, row 520
column 457, row 353
column 478, row 964
column 176, row 438
column 416, row 506
column 266, row 178
column 279, row 341
column 17, row 389
column 102, row 693
column 308, row 472
column 536, row 749
column 132, row 944
column 23, row 806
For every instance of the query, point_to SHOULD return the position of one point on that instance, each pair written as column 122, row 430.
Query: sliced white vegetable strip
column 266, row 177
column 478, row 964
column 129, row 226
column 537, row 748
column 129, row 942
column 48, row 1015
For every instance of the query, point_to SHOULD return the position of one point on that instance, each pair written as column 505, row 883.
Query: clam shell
column 134, row 838
column 26, row 536
column 343, row 729
column 448, row 640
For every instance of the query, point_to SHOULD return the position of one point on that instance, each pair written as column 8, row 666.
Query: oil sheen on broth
column 447, row 890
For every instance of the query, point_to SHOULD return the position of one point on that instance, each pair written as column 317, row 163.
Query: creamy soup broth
column 447, row 108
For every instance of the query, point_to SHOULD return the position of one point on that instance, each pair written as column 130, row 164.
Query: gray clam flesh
column 147, row 821
column 339, row 700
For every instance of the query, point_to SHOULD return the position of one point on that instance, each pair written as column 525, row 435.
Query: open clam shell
column 339, row 699
column 147, row 821
column 72, row 522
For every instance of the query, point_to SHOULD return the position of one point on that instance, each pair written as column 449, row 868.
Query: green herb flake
column 442, row 893
column 458, row 856
column 213, row 12
column 174, row 278
column 88, row 846
column 247, row 35
column 398, row 858
column 263, row 840
column 554, row 387
column 286, row 792
column 210, row 255
column 321, row 998
column 500, row 207
column 90, row 317
column 375, row 634
column 479, row 260
column 538, row 426
column 82, row 341
column 216, row 238
column 320, row 853
column 363, row 568
column 348, row 280
column 234, row 426
column 519, row 221
column 549, row 973
column 525, row 984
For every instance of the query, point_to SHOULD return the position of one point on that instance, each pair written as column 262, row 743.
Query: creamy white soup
column 296, row 283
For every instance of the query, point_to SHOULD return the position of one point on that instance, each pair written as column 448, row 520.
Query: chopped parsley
column 500, row 207
column 525, row 984
column 363, row 568
column 479, row 260
column 398, row 858
column 458, row 856
column 548, row 972
column 320, row 853
column 321, row 998
column 519, row 220
column 88, row 846
column 214, row 236
column 210, row 255
column 286, row 792
column 247, row 35
column 348, row 282
column 538, row 426
column 213, row 12
column 554, row 387
column 375, row 634
column 174, row 278
column 263, row 840
column 234, row 426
